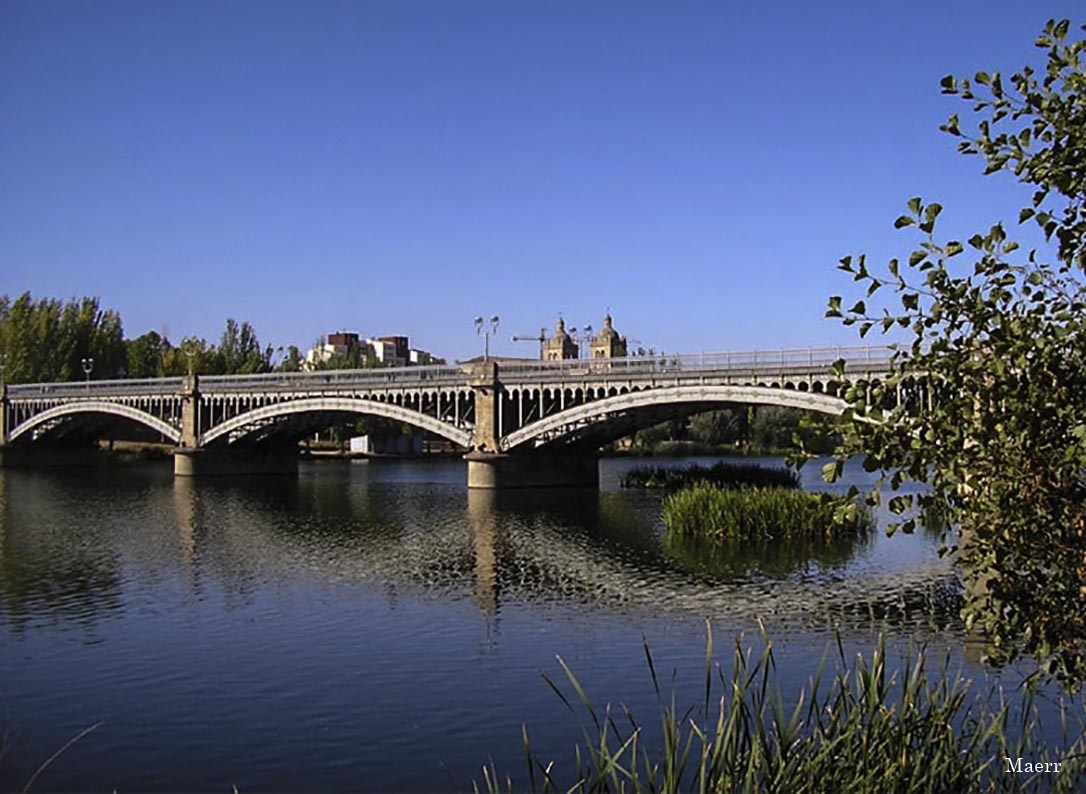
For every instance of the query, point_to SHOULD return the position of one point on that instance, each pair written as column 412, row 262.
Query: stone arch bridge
column 520, row 423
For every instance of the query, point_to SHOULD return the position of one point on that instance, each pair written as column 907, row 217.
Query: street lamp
column 480, row 328
column 88, row 365
column 3, row 365
column 582, row 339
column 190, row 353
column 587, row 346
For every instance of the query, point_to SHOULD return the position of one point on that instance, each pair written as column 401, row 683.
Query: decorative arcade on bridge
column 520, row 424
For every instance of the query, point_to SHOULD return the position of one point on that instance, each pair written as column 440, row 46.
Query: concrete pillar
column 190, row 412
column 486, row 387
column 3, row 414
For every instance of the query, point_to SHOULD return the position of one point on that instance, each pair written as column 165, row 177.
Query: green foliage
column 707, row 512
column 292, row 361
column 986, row 404
column 719, row 428
column 763, row 429
column 721, row 474
column 239, row 351
column 146, row 355
column 871, row 729
column 47, row 340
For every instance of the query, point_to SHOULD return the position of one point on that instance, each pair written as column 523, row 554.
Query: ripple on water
column 369, row 627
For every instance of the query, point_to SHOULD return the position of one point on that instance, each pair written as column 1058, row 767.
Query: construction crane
column 541, row 339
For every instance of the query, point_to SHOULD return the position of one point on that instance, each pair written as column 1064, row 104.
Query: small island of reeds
column 746, row 502
column 706, row 512
column 721, row 474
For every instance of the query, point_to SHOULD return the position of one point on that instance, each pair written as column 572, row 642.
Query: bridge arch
column 355, row 405
column 599, row 410
column 96, row 407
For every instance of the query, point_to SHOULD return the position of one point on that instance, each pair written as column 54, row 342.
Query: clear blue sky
column 401, row 166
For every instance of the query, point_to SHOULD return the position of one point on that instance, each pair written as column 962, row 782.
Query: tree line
column 50, row 340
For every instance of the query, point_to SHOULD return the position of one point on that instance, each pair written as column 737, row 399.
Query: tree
column 145, row 355
column 986, row 401
column 195, row 354
column 47, row 340
column 239, row 350
column 292, row 361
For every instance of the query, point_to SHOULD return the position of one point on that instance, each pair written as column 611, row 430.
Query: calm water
column 375, row 626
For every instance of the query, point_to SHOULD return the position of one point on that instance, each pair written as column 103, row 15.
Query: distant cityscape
column 396, row 351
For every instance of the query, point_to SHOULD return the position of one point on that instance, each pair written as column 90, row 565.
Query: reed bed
column 870, row 729
column 707, row 512
column 721, row 474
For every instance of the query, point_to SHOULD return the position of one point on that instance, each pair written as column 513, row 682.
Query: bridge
column 520, row 423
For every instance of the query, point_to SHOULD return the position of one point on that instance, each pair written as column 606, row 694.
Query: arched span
column 673, row 395
column 341, row 404
column 97, row 407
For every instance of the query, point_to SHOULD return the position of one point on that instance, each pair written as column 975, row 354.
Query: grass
column 707, row 512
column 721, row 474
column 869, row 729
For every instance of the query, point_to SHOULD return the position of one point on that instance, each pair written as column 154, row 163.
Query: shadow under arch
column 610, row 418
column 61, row 420
column 319, row 412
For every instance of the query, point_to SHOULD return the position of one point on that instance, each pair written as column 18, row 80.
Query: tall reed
column 723, row 514
column 723, row 474
column 870, row 729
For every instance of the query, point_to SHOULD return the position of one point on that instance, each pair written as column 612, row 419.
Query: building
column 560, row 346
column 390, row 351
column 336, row 345
column 421, row 358
column 607, row 343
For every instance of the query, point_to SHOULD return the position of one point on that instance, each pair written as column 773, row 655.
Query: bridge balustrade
column 753, row 362
column 95, row 389
column 438, row 374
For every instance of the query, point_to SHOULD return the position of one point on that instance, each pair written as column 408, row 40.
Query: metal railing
column 306, row 381
column 96, row 388
column 754, row 361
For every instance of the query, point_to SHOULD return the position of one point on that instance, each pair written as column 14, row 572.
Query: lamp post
column 190, row 353
column 581, row 339
column 3, row 365
column 586, row 345
column 88, row 365
column 480, row 328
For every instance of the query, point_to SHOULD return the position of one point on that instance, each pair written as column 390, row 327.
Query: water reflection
column 536, row 549
column 308, row 631
column 740, row 559
column 56, row 568
column 64, row 542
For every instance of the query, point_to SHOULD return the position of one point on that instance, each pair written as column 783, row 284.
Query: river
column 375, row 626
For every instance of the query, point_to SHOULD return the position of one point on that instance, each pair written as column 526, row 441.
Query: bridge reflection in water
column 538, row 547
column 361, row 609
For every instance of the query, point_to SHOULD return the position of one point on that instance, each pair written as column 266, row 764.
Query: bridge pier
column 495, row 470
column 215, row 462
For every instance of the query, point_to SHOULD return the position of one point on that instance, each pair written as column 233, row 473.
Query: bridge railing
column 96, row 388
column 754, row 361
column 287, row 381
